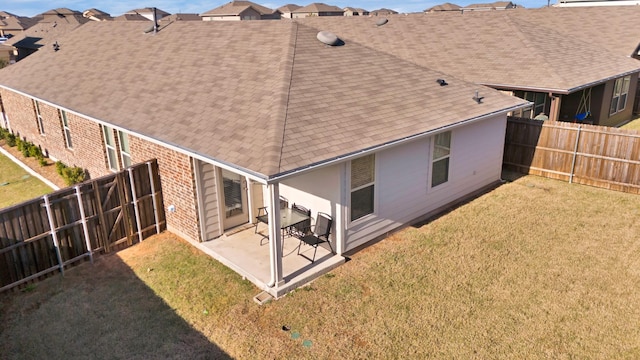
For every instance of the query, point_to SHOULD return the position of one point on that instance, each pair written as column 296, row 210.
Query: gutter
column 253, row 175
column 285, row 175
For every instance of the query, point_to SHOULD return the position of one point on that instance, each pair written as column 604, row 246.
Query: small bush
column 60, row 166
column 35, row 151
column 42, row 161
column 73, row 175
column 11, row 140
column 3, row 133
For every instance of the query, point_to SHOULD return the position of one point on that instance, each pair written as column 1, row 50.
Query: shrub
column 11, row 140
column 42, row 161
column 60, row 166
column 3, row 133
column 35, row 151
column 73, row 175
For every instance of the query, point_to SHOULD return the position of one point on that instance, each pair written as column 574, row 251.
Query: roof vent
column 478, row 98
column 382, row 21
column 442, row 82
column 56, row 47
column 329, row 38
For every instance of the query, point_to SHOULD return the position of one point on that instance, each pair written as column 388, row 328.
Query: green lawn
column 535, row 269
column 16, row 185
column 633, row 125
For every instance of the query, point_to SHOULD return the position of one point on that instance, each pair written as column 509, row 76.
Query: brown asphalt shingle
column 489, row 47
column 267, row 97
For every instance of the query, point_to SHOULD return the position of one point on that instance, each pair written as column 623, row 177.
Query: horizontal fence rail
column 47, row 234
column 578, row 153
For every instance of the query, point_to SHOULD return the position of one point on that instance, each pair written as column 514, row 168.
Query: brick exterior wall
column 89, row 152
column 178, row 185
column 86, row 136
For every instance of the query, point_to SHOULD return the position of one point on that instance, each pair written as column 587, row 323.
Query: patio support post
column 275, row 241
column 554, row 111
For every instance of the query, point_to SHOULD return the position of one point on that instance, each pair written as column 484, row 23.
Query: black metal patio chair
column 320, row 235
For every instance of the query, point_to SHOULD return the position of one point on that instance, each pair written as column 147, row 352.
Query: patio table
column 288, row 218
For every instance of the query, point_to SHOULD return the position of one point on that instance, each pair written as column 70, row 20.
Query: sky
column 118, row 7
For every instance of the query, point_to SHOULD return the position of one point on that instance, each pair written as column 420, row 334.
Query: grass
column 535, row 269
column 17, row 185
column 632, row 125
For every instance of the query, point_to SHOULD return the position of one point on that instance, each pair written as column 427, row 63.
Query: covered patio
column 247, row 253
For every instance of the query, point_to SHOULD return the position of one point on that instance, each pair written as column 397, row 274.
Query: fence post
column 85, row 228
column 153, row 197
column 575, row 153
column 54, row 234
column 135, row 204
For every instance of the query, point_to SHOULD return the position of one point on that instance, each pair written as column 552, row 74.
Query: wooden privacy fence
column 47, row 234
column 579, row 153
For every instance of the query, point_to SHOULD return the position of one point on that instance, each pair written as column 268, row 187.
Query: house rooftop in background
column 61, row 16
column 96, row 15
column 14, row 24
column 286, row 10
column 498, row 5
column 350, row 11
column 382, row 12
column 131, row 17
column 444, row 7
column 317, row 9
column 241, row 10
column 180, row 17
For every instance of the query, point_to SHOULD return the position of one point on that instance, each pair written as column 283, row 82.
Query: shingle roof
column 131, row 17
column 444, row 7
column 41, row 34
column 235, row 8
column 491, row 48
column 289, row 7
column 12, row 23
column 236, row 93
column 148, row 10
column 317, row 7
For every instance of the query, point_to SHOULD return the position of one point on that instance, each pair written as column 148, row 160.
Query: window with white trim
column 440, row 158
column 110, row 145
column 620, row 95
column 36, row 104
column 125, row 154
column 66, row 129
column 362, row 186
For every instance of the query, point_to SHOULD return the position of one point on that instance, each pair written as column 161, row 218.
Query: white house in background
column 342, row 130
column 287, row 10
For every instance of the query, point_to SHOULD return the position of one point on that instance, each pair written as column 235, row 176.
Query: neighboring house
column 443, row 7
column 50, row 26
column 383, row 12
column 148, row 13
column 542, row 55
column 8, row 55
column 264, row 111
column 240, row 10
column 131, row 17
column 498, row 5
column 13, row 25
column 317, row 9
column 581, row 3
column 179, row 17
column 349, row 11
column 96, row 15
column 286, row 10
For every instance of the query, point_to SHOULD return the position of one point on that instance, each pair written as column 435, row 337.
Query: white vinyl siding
column 110, row 145
column 67, row 131
column 402, row 178
column 39, row 122
column 620, row 95
column 125, row 153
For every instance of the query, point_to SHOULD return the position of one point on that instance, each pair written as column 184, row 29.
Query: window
column 362, row 186
column 125, row 154
column 539, row 104
column 620, row 94
column 110, row 144
column 36, row 104
column 66, row 129
column 440, row 162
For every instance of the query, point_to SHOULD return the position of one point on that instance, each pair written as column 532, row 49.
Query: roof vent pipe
column 155, row 21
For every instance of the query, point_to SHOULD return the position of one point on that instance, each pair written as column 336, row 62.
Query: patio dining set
column 295, row 221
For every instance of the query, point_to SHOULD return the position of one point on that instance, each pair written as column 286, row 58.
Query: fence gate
column 47, row 234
